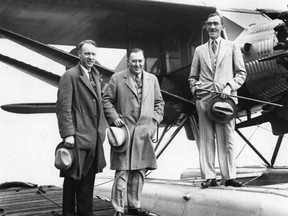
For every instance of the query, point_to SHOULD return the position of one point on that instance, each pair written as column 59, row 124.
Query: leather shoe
column 2, row 212
column 209, row 183
column 138, row 211
column 118, row 214
column 233, row 183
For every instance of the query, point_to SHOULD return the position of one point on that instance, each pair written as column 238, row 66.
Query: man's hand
column 69, row 142
column 226, row 92
column 118, row 122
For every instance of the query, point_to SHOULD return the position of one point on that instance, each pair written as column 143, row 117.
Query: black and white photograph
column 144, row 107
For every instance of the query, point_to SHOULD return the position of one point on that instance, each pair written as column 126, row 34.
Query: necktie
column 138, row 82
column 92, row 80
column 139, row 87
column 214, row 46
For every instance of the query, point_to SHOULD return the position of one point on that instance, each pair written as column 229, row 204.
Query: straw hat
column 119, row 138
column 66, row 159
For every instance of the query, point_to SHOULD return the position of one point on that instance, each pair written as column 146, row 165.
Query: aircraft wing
column 69, row 22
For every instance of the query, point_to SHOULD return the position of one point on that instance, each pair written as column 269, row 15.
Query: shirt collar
column 217, row 40
column 85, row 70
column 138, row 75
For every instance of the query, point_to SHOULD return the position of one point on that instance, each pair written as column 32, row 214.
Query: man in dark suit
column 217, row 65
column 82, row 123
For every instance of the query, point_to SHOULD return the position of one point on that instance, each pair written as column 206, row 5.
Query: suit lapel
column 86, row 81
column 130, row 82
column 145, row 85
column 222, row 50
column 97, row 82
column 206, row 56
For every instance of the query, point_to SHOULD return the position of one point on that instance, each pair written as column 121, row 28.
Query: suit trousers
column 224, row 133
column 80, row 192
column 130, row 182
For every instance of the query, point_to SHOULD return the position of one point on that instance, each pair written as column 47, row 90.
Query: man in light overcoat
column 133, row 98
column 217, row 66
column 82, row 123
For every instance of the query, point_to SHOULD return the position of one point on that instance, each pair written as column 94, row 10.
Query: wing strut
column 38, row 73
column 50, row 52
column 185, row 118
column 166, row 129
column 253, row 148
column 194, row 128
column 276, row 150
column 30, row 108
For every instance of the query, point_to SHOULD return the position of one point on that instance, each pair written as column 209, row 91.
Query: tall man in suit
column 133, row 98
column 82, row 124
column 217, row 65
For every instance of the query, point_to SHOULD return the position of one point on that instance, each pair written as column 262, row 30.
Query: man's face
column 87, row 56
column 136, row 62
column 214, row 27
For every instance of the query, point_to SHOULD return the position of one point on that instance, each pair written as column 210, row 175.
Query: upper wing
column 109, row 23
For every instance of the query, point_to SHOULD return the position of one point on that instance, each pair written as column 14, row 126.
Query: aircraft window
column 153, row 65
column 195, row 39
column 172, row 53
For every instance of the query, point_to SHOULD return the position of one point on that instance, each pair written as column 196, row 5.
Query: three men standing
column 133, row 97
column 217, row 66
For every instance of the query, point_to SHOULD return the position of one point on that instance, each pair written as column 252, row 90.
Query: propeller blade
column 30, row 108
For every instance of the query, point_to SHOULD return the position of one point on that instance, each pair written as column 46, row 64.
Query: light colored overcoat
column 120, row 99
column 80, row 114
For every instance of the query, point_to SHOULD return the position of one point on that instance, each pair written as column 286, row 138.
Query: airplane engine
column 264, row 47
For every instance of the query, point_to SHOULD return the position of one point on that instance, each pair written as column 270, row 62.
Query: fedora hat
column 66, row 160
column 118, row 138
column 221, row 110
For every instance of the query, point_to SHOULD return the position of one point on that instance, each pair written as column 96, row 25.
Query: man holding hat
column 133, row 102
column 217, row 66
column 82, row 126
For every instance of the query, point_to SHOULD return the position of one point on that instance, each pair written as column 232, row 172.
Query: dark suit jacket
column 80, row 113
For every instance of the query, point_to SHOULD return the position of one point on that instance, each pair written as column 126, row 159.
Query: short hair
column 135, row 50
column 216, row 14
column 81, row 44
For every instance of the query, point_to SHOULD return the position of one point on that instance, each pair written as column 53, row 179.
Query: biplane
column 169, row 32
